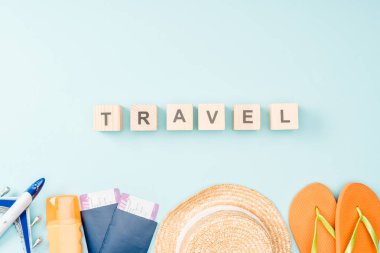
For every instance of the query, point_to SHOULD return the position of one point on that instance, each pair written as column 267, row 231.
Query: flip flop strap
column 368, row 226
column 326, row 224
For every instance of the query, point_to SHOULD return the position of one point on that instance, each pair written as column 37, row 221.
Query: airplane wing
column 22, row 224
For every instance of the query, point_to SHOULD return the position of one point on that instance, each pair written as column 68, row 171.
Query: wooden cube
column 108, row 118
column 246, row 117
column 144, row 118
column 179, row 117
column 283, row 116
column 211, row 117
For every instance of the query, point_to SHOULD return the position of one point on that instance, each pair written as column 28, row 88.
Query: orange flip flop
column 312, row 219
column 357, row 220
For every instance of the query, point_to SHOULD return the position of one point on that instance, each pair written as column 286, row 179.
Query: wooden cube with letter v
column 108, row 118
column 211, row 117
column 283, row 116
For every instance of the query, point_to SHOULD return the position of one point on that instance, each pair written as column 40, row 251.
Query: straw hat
column 224, row 218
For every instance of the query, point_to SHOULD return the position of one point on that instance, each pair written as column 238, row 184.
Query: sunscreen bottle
column 63, row 222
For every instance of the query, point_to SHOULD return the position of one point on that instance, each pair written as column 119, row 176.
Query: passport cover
column 128, row 233
column 95, row 225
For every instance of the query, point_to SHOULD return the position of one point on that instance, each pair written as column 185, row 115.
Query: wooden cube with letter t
column 179, row 117
column 108, row 118
column 144, row 118
column 246, row 117
column 283, row 116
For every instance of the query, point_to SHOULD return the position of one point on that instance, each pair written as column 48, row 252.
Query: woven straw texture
column 256, row 227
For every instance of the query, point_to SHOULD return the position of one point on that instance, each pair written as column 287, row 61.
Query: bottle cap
column 63, row 208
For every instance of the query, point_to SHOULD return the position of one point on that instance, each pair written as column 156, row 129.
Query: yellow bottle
column 64, row 223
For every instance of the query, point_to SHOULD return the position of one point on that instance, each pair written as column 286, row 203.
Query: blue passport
column 108, row 229
column 95, row 225
column 128, row 233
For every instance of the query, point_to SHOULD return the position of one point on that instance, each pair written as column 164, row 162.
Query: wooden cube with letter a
column 144, row 118
column 108, row 118
column 211, row 117
column 283, row 116
column 246, row 117
column 179, row 117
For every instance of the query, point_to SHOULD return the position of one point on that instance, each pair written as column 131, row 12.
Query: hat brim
column 222, row 218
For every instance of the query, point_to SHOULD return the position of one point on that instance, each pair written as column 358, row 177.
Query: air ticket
column 139, row 207
column 98, row 199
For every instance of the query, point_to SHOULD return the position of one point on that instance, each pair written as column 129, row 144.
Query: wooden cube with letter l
column 108, row 118
column 283, row 116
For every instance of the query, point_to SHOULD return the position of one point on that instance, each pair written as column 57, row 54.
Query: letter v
column 212, row 119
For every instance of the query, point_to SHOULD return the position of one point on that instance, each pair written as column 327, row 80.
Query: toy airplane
column 16, row 210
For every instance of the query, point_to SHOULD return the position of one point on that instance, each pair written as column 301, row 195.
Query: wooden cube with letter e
column 247, row 117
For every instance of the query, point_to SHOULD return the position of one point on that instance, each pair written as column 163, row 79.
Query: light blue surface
column 58, row 59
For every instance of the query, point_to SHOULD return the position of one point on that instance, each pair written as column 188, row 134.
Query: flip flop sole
column 302, row 215
column 352, row 196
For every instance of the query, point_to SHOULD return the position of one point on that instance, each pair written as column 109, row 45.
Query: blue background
column 59, row 58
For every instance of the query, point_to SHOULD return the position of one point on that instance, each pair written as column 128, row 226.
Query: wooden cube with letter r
column 144, row 118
